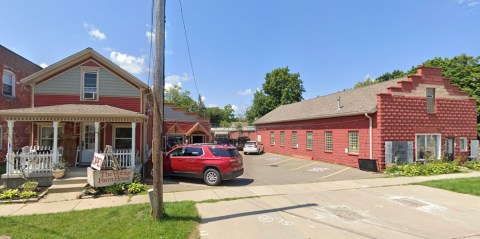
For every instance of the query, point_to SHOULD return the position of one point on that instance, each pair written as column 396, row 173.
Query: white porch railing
column 32, row 160
column 123, row 157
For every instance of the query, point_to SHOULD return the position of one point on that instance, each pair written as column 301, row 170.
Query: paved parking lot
column 274, row 169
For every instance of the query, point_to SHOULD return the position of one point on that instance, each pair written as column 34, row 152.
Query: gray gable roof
column 353, row 102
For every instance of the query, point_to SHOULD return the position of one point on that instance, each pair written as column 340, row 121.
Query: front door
column 88, row 143
column 450, row 149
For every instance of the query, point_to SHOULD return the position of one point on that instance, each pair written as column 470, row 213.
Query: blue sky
column 332, row 44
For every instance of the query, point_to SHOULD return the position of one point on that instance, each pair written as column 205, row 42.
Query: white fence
column 123, row 157
column 32, row 160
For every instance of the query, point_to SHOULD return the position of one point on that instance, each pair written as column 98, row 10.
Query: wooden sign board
column 97, row 161
column 105, row 178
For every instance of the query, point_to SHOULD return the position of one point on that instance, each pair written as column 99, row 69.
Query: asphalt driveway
column 273, row 169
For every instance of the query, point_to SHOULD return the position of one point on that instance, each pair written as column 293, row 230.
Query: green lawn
column 460, row 185
column 133, row 221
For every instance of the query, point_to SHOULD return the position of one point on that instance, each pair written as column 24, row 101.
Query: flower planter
column 58, row 173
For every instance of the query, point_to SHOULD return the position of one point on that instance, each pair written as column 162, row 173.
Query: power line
column 151, row 42
column 188, row 47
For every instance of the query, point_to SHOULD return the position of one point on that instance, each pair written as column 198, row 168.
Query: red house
column 14, row 68
column 77, row 106
column 399, row 121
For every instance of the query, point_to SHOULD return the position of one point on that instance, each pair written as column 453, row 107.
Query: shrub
column 474, row 165
column 10, row 194
column 432, row 168
column 135, row 188
column 31, row 184
column 28, row 194
column 116, row 189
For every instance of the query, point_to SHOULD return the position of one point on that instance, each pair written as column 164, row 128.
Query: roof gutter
column 370, row 133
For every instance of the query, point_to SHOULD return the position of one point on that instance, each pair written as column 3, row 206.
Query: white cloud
column 94, row 32
column 203, row 98
column 150, row 36
column 212, row 105
column 44, row 65
column 235, row 107
column 173, row 80
column 109, row 49
column 131, row 64
column 468, row 3
column 245, row 92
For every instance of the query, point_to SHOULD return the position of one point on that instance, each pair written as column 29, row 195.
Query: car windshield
column 224, row 152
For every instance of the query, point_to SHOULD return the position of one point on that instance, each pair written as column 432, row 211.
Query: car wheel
column 212, row 177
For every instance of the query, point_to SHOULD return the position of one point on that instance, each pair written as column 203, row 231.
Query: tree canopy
column 280, row 88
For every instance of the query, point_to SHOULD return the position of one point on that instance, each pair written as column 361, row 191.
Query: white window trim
column 465, row 149
column 61, row 130
column 272, row 139
column 309, row 139
column 350, row 151
column 325, row 138
column 14, row 80
column 114, row 133
column 282, row 138
column 295, row 144
column 439, row 152
column 85, row 70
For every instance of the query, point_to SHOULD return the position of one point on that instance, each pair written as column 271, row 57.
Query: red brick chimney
column 429, row 71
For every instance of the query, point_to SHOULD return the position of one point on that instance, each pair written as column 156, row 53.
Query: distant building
column 411, row 119
column 235, row 130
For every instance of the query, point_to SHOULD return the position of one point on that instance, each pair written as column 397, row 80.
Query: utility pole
column 159, row 74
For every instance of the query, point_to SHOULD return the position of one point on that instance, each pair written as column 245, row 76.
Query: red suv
column 213, row 163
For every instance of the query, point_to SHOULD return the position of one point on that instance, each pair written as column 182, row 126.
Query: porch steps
column 70, row 184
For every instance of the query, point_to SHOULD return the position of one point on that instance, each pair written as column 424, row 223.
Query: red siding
column 132, row 104
column 339, row 127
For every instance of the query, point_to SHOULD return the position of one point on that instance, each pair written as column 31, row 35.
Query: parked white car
column 253, row 147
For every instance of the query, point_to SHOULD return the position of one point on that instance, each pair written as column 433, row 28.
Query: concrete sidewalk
column 63, row 202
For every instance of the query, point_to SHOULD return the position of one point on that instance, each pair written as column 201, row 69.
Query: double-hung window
column 353, row 142
column 46, row 135
column 123, row 138
column 294, row 139
column 430, row 100
column 282, row 138
column 8, row 83
column 463, row 144
column 272, row 138
column 328, row 141
column 90, row 85
column 309, row 140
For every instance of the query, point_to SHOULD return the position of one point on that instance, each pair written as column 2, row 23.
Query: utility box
column 369, row 165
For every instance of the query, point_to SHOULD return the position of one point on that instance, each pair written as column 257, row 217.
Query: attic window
column 90, row 85
column 430, row 100
column 8, row 84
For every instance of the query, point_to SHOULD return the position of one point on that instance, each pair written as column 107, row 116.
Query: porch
column 72, row 134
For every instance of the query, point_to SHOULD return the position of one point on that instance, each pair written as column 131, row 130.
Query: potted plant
column 29, row 186
column 58, row 168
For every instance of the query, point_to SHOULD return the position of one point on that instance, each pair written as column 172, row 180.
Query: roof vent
column 339, row 106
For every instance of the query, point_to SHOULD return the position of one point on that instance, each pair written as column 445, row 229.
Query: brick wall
column 339, row 126
column 21, row 67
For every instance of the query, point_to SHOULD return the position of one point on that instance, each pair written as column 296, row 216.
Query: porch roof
column 73, row 112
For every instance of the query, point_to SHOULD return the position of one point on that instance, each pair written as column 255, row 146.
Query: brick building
column 410, row 119
column 13, row 68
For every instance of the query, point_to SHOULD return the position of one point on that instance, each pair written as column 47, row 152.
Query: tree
column 228, row 113
column 216, row 115
column 199, row 107
column 280, row 88
column 180, row 98
column 367, row 82
column 390, row 76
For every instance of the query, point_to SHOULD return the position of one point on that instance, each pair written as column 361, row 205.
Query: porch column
column 97, row 131
column 10, row 162
column 132, row 154
column 55, row 141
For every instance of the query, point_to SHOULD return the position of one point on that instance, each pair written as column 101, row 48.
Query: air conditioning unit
column 90, row 96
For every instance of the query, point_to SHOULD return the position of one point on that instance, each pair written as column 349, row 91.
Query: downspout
column 370, row 133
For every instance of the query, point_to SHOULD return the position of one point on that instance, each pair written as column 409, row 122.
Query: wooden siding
column 172, row 114
column 132, row 104
column 69, row 83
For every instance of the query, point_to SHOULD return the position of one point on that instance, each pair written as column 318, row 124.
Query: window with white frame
column 353, row 142
column 46, row 135
column 8, row 83
column 90, row 85
column 309, row 140
column 328, row 141
column 430, row 100
column 282, row 138
column 463, row 144
column 294, row 139
column 123, row 137
column 272, row 138
column 428, row 146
